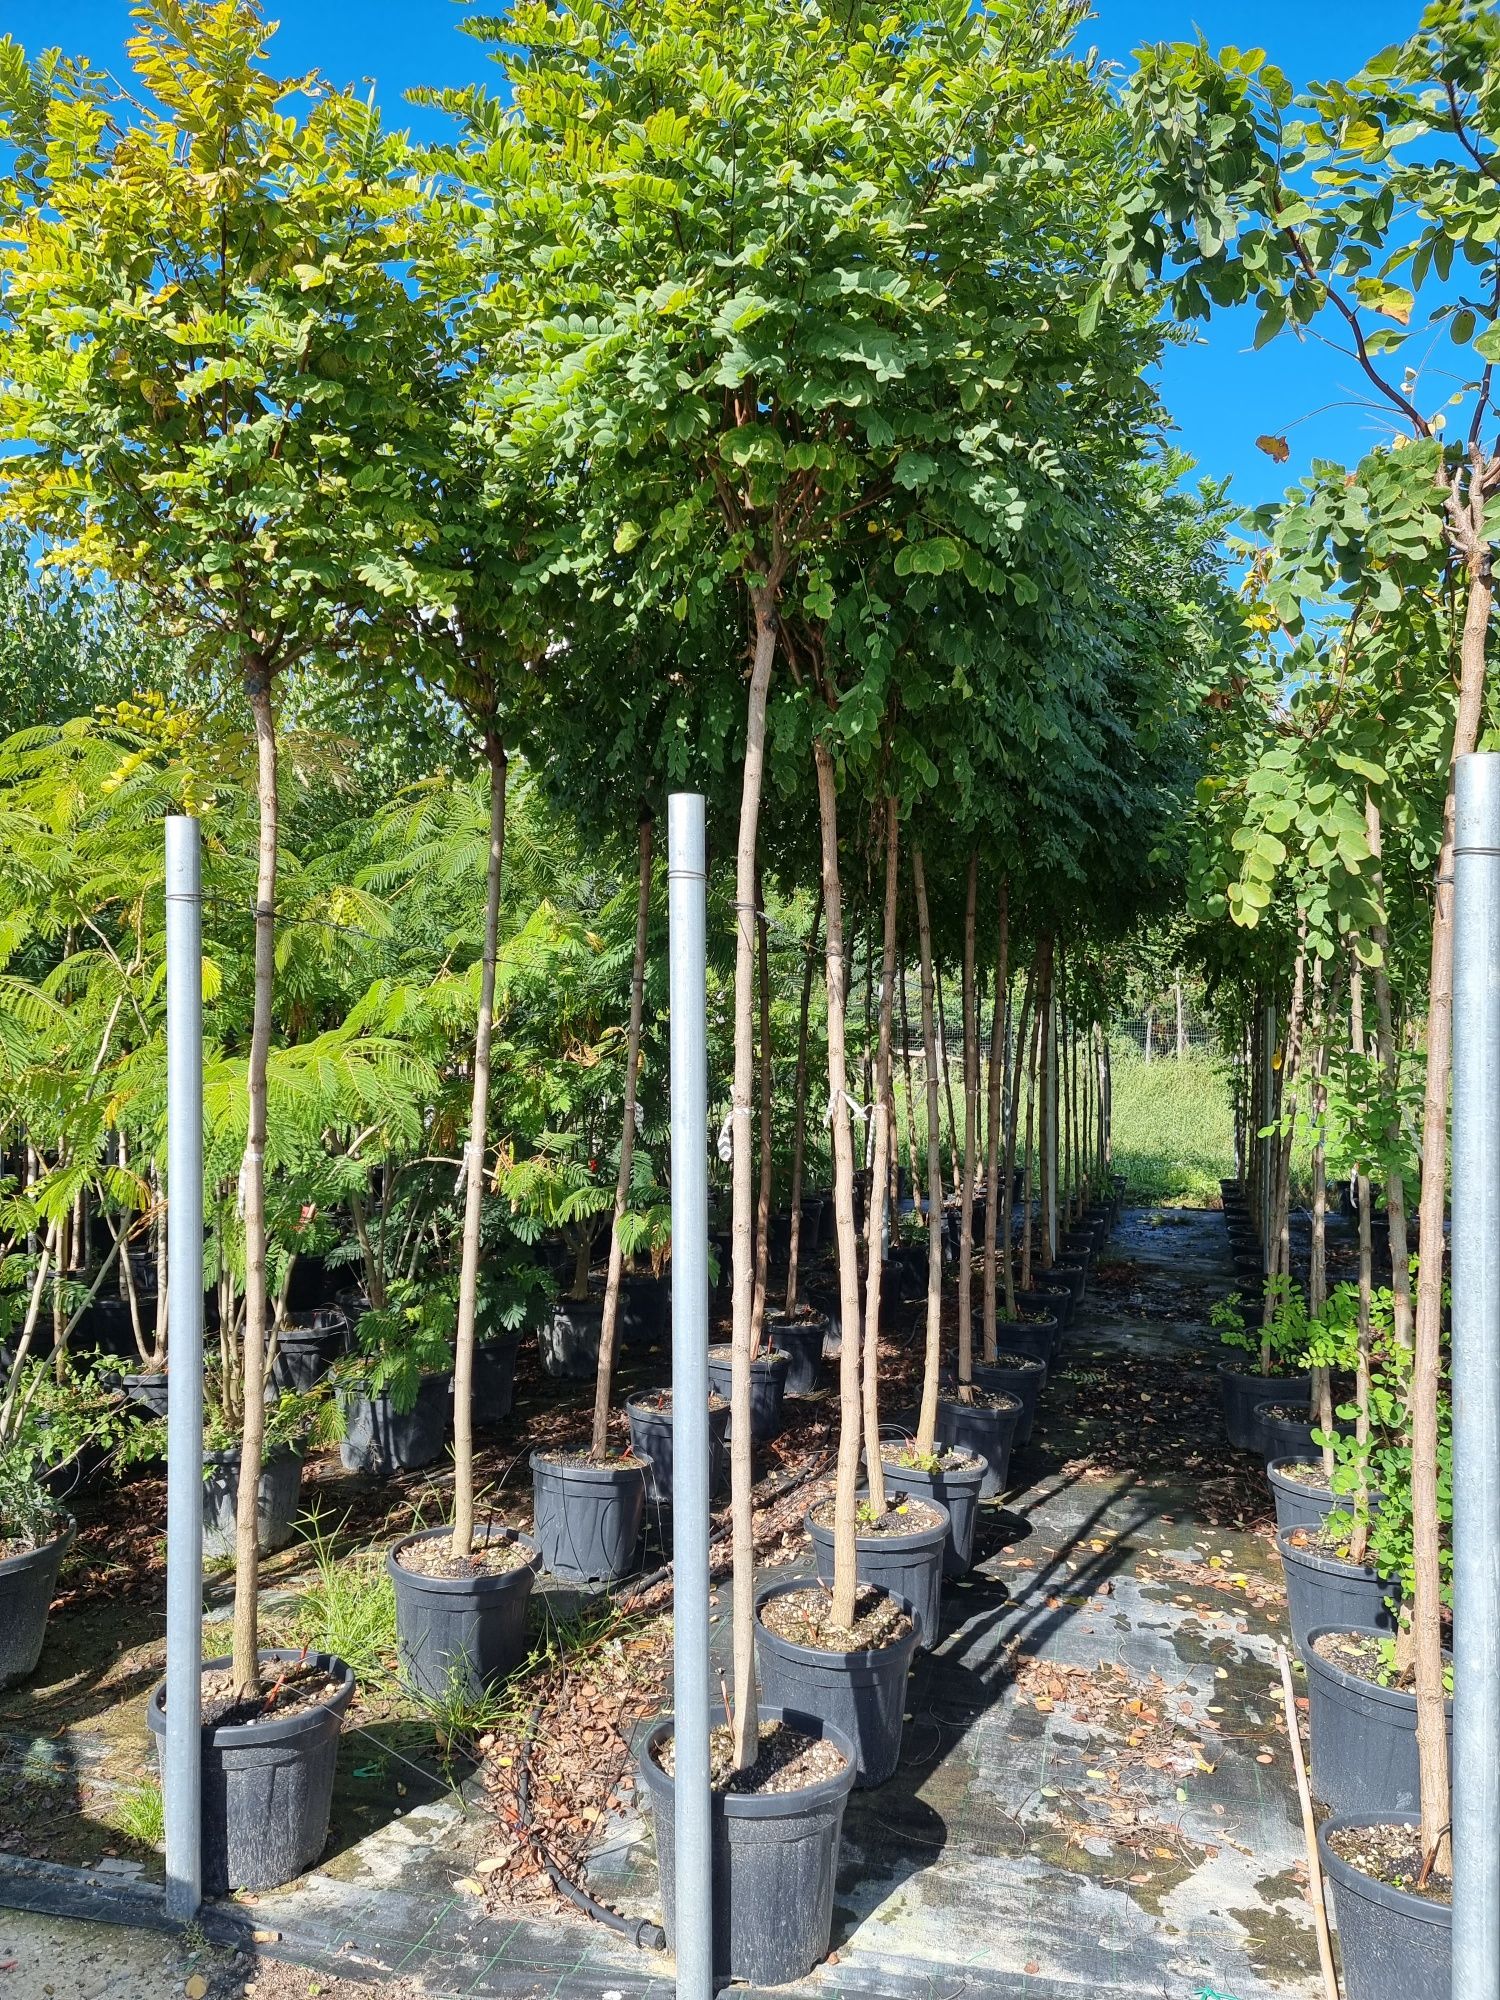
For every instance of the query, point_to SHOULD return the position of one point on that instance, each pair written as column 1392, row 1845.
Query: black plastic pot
column 651, row 1441
column 148, row 1390
column 383, row 1440
column 1052, row 1301
column 810, row 1232
column 275, row 1500
column 779, row 1238
column 1394, row 1945
column 863, row 1695
column 267, row 1786
column 494, row 1386
column 989, row 1433
column 307, row 1348
column 1283, row 1437
column 957, row 1488
column 1068, row 1268
column 1322, row 1592
column 768, row 1374
column 1021, row 1375
column 1242, row 1393
column 588, row 1517
column 645, row 1303
column 27, row 1583
column 801, row 1340
column 775, row 1857
column 1040, row 1338
column 462, row 1633
column 1299, row 1505
column 106, row 1324
column 569, row 1340
column 1364, row 1740
column 827, row 1222
column 906, row 1566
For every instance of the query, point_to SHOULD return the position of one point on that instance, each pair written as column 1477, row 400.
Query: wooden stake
column 1309, row 1833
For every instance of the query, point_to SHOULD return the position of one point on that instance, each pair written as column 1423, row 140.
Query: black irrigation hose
column 642, row 1933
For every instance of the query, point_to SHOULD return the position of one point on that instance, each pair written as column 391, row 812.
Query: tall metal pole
column 687, row 907
column 181, row 1786
column 1476, row 1380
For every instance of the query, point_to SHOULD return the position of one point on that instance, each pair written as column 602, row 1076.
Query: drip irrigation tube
column 642, row 1932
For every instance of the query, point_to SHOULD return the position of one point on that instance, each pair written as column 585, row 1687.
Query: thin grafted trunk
column 1395, row 1189
column 883, row 1112
column 971, row 1102
column 609, row 1323
column 763, row 1193
column 245, row 1644
column 946, row 1068
column 999, row 1077
column 911, row 1100
column 927, row 1417
column 479, row 1112
column 1047, row 1108
column 1033, row 1064
column 1359, row 1538
column 1317, row 1280
column 741, row 1466
column 846, row 1485
column 1279, row 1224
column 799, row 1139
column 1008, row 1190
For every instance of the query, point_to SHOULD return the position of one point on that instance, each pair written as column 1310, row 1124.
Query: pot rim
column 275, row 1729
column 869, row 1658
column 1003, row 1364
column 1370, row 1888
column 768, row 1358
column 61, row 1542
column 1326, row 1565
column 618, row 1473
column 1315, row 1663
column 1242, row 1375
column 983, row 1409
column 278, row 1454
column 915, row 1542
column 964, row 1475
column 354, row 1388
column 636, row 1405
column 817, row 1323
column 498, row 1585
column 761, row 1805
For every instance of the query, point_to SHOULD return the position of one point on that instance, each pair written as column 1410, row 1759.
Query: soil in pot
column 1325, row 1590
column 768, row 1373
column 953, row 1478
column 307, row 1347
column 1286, row 1431
column 461, row 1622
column 589, row 1514
column 276, row 1500
column 268, row 1767
column 380, row 1439
column 650, row 1418
column 1362, row 1717
column 1068, row 1269
column 775, row 1831
column 1242, row 1393
column 985, row 1426
column 1303, row 1496
column 801, row 1339
column 899, row 1551
column 854, row 1679
column 1051, row 1301
column 1036, row 1334
column 569, row 1340
column 28, row 1581
column 1395, row 1942
column 494, row 1385
column 1016, row 1374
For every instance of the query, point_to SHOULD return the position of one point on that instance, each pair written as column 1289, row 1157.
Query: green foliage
column 395, row 1345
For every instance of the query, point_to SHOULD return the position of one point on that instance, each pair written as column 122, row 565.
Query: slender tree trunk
column 245, row 1663
column 1181, row 1019
column 1432, row 1732
column 971, row 1104
column 1008, row 1189
column 927, row 1418
column 1033, row 1064
column 883, row 1111
column 999, row 1077
column 1317, row 1278
column 609, row 1323
column 1360, row 1535
column 1047, row 1108
column 946, row 1067
column 741, row 1465
column 799, row 1139
column 1395, row 1190
column 911, row 1101
column 763, row 1194
column 845, row 1581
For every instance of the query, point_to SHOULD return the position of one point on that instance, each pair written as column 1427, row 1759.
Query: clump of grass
column 349, row 1608
column 140, row 1815
column 1173, row 1126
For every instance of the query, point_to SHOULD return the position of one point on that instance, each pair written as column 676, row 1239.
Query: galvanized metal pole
column 687, row 907
column 182, row 1753
column 1476, row 1380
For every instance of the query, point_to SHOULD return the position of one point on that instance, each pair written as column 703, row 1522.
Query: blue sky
column 1221, row 394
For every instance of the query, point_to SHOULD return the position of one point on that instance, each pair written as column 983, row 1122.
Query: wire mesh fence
column 1170, row 1028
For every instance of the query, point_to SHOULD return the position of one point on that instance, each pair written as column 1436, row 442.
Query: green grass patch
column 1173, row 1126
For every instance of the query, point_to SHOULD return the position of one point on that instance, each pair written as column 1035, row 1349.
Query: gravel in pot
column 1395, row 1944
column 899, row 1551
column 854, row 1679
